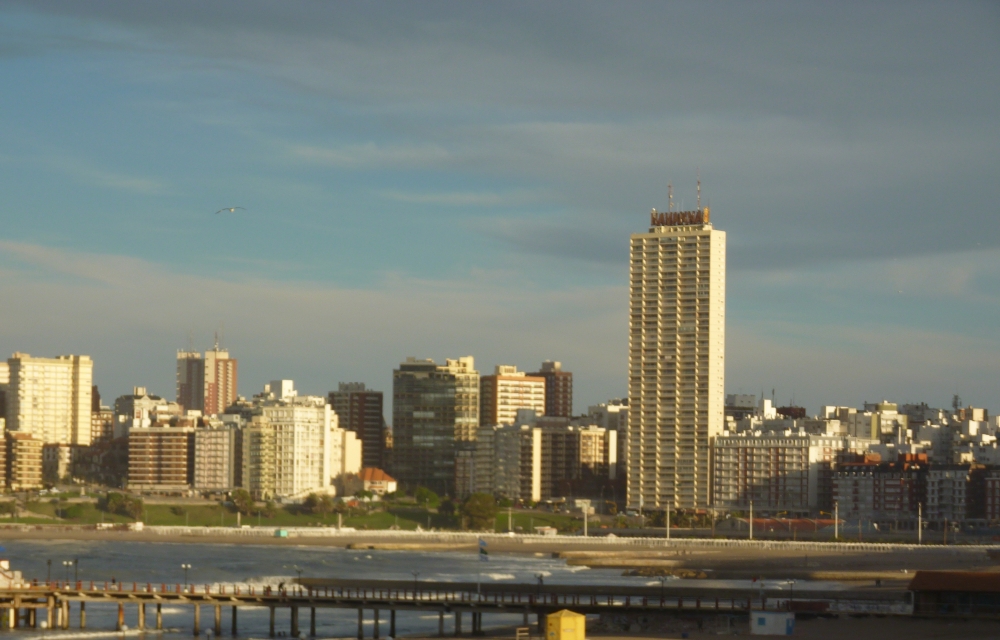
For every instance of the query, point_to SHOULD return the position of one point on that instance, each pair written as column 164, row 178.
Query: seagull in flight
column 229, row 209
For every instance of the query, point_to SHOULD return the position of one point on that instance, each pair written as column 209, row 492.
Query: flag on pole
column 484, row 555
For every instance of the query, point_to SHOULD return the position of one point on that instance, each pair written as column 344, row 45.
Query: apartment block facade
column 50, row 398
column 506, row 391
column 161, row 458
column 558, row 389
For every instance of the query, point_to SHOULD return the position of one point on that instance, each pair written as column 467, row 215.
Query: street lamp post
column 76, row 569
column 416, row 574
column 836, row 520
column 48, row 575
column 185, row 567
column 66, row 566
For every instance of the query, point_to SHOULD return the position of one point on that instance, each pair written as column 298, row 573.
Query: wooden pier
column 56, row 602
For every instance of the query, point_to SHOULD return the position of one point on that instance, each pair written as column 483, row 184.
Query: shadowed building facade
column 360, row 410
column 434, row 407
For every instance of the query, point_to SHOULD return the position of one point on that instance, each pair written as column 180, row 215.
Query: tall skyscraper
column 506, row 391
column 433, row 407
column 49, row 398
column 360, row 410
column 676, row 359
column 206, row 384
column 558, row 389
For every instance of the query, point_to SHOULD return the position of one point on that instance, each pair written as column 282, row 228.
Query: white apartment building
column 613, row 416
column 777, row 470
column 142, row 410
column 50, row 398
column 506, row 391
column 883, row 421
column 345, row 454
column 292, row 445
column 676, row 359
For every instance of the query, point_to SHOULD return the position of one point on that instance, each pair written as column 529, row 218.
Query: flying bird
column 229, row 209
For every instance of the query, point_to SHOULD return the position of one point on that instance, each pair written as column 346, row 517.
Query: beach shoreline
column 692, row 559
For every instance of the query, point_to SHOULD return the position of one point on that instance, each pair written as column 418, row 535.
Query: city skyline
column 458, row 180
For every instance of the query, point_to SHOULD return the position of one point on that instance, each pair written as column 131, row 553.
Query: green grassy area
column 405, row 516
column 527, row 521
column 217, row 515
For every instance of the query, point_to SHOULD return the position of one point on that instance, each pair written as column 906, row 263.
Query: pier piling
column 159, row 616
column 233, row 625
column 440, row 624
column 392, row 622
column 458, row 623
column 83, row 614
column 218, row 620
column 361, row 621
column 375, row 632
column 142, row 616
column 295, row 621
column 271, row 629
column 197, row 620
column 121, row 617
column 312, row 621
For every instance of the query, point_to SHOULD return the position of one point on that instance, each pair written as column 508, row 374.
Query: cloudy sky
column 446, row 179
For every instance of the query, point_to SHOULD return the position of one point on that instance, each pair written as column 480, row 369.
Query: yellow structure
column 565, row 625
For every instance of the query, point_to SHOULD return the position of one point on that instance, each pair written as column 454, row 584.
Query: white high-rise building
column 292, row 445
column 49, row 398
column 676, row 359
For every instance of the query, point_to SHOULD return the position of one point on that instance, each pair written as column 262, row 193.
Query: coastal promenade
column 332, row 536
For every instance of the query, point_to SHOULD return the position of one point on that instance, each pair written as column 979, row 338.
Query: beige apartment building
column 677, row 362
column 23, row 461
column 160, row 458
column 49, row 398
column 506, row 391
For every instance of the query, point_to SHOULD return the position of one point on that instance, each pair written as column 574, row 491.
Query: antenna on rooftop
column 670, row 197
column 699, row 189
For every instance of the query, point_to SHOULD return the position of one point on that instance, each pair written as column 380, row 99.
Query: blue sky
column 446, row 179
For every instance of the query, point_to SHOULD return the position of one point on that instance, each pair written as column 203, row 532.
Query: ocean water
column 261, row 565
column 246, row 565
